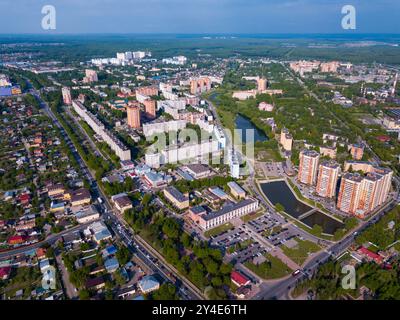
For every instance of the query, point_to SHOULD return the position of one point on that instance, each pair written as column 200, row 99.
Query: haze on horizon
column 199, row 16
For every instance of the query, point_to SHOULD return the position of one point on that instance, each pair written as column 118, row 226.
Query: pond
column 328, row 224
column 279, row 192
column 244, row 123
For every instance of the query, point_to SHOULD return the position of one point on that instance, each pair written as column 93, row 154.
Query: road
column 185, row 289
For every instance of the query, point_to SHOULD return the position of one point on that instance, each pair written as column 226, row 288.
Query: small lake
column 243, row 123
column 328, row 224
column 279, row 192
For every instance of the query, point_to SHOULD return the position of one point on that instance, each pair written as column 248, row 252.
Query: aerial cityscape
column 205, row 166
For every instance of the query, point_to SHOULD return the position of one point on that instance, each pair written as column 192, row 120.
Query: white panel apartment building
column 181, row 153
column 155, row 127
column 98, row 127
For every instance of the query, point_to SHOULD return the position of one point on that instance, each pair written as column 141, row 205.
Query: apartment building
column 98, row 127
column 286, row 140
column 308, row 167
column 133, row 115
column 328, row 175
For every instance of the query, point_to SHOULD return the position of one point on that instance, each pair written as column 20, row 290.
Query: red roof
column 5, row 272
column 16, row 239
column 24, row 197
column 372, row 255
column 383, row 138
column 239, row 278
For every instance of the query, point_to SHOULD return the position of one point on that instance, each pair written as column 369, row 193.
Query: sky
column 199, row 16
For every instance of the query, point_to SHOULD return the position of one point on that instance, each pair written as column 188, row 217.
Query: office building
column 308, row 166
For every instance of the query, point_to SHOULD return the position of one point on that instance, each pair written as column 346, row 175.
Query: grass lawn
column 301, row 252
column 273, row 268
column 218, row 230
column 262, row 154
column 251, row 216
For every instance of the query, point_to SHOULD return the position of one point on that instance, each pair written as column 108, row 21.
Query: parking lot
column 273, row 169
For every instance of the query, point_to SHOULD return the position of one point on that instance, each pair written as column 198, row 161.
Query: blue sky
column 200, row 16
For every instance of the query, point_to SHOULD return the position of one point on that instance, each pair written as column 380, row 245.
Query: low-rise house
column 17, row 239
column 87, row 214
column 55, row 190
column 100, row 232
column 72, row 238
column 56, row 206
column 239, row 279
column 127, row 165
column 25, row 225
column 95, row 283
column 369, row 255
column 80, row 197
column 111, row 265
column 148, row 284
column 126, row 292
column 109, row 251
column 123, row 203
column 5, row 273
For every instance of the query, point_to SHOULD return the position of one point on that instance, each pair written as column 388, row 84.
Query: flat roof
column 228, row 208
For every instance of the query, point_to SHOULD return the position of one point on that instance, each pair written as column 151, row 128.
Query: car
column 295, row 273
